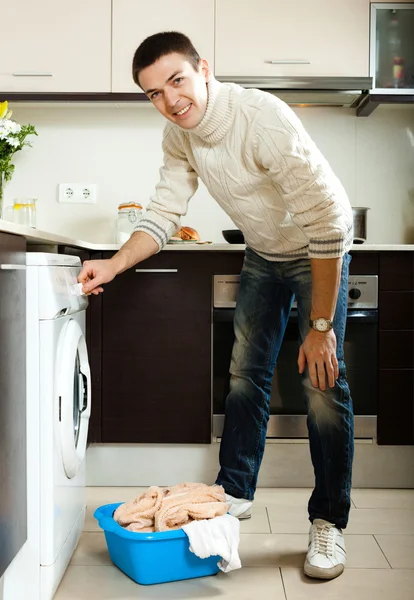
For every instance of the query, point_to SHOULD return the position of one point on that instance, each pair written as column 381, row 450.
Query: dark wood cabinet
column 156, row 352
column 396, row 348
column 13, row 496
column 156, row 348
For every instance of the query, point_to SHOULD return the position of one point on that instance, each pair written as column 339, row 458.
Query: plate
column 181, row 242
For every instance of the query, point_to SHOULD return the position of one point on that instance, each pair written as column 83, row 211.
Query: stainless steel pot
column 359, row 214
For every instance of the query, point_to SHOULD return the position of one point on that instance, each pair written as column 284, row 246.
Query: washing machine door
column 74, row 385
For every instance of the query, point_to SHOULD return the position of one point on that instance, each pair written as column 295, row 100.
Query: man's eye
column 178, row 80
column 154, row 95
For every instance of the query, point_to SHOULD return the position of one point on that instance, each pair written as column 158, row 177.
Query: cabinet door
column 156, row 340
column 13, row 498
column 396, row 348
column 319, row 38
column 134, row 20
column 392, row 47
column 55, row 46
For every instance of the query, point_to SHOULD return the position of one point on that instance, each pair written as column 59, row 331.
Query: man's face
column 177, row 91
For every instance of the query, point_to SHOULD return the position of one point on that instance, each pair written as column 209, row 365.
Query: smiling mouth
column 182, row 112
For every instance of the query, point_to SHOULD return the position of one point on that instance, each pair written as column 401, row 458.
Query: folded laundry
column 162, row 509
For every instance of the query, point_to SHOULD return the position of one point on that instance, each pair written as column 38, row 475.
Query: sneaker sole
column 245, row 515
column 321, row 573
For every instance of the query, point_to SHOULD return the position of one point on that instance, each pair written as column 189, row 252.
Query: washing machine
column 58, row 410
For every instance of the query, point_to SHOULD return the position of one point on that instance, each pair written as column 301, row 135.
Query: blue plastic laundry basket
column 150, row 558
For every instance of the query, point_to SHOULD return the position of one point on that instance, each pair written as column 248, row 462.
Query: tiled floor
column 380, row 543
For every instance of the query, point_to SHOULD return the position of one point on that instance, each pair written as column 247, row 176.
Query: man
column 258, row 162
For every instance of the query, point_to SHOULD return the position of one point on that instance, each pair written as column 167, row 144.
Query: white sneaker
column 239, row 507
column 326, row 555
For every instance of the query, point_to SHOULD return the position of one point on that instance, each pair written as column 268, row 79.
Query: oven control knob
column 354, row 293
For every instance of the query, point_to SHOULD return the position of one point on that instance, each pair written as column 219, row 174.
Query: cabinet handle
column 156, row 270
column 12, row 267
column 32, row 74
column 289, row 61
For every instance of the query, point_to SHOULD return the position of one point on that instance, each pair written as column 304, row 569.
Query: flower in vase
column 12, row 139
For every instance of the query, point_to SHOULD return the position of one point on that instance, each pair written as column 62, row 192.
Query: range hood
column 347, row 92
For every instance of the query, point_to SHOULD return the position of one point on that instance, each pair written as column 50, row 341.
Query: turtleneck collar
column 219, row 114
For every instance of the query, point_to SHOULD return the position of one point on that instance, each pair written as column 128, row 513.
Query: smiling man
column 258, row 162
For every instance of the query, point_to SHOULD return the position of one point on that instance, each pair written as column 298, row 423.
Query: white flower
column 13, row 142
column 11, row 126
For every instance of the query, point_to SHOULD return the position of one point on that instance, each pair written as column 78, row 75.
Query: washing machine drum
column 73, row 380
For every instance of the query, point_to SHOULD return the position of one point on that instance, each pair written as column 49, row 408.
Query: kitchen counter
column 36, row 236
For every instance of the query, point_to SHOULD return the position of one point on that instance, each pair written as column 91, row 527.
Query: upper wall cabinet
column 55, row 46
column 298, row 38
column 134, row 20
column 392, row 47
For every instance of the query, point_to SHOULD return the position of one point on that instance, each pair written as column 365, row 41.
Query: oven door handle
column 368, row 316
column 226, row 315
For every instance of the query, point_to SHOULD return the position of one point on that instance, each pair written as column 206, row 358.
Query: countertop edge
column 36, row 236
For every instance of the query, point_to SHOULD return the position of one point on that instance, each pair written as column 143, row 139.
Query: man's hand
column 319, row 351
column 94, row 273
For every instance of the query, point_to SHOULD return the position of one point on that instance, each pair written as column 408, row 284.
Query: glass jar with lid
column 129, row 214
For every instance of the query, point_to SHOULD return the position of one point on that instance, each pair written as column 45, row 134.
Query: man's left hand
column 319, row 351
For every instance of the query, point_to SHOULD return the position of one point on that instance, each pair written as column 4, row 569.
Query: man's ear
column 204, row 69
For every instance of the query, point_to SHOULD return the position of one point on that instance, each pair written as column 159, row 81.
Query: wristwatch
column 321, row 324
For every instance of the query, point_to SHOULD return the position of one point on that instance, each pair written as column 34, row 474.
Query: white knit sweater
column 258, row 162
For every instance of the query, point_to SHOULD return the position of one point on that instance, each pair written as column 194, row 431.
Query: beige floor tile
column 399, row 550
column 381, row 520
column 288, row 550
column 106, row 495
column 286, row 519
column 353, row 584
column 282, row 497
column 383, row 498
column 361, row 520
column 258, row 523
column 91, row 524
column 91, row 551
column 108, row 583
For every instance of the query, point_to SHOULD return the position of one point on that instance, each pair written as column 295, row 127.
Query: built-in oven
column 287, row 402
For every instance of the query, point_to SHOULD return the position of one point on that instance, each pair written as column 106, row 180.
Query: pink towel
column 162, row 509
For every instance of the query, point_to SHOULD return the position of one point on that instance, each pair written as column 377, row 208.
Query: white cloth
column 216, row 537
column 258, row 162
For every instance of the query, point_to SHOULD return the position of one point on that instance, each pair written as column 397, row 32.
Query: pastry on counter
column 186, row 234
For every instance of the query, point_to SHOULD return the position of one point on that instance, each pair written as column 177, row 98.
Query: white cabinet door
column 134, row 20
column 292, row 38
column 55, row 46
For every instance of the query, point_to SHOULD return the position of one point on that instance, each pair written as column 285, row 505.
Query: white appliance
column 58, row 409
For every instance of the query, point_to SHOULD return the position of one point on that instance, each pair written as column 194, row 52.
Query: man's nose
column 171, row 97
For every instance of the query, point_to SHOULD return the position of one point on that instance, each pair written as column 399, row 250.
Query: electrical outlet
column 77, row 193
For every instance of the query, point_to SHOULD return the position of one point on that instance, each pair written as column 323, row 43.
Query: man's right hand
column 94, row 273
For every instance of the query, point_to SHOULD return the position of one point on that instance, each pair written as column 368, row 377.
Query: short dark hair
column 158, row 45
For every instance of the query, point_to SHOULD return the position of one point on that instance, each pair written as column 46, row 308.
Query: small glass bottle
column 395, row 49
column 129, row 214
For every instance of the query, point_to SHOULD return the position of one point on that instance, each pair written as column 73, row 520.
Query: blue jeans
column 265, row 297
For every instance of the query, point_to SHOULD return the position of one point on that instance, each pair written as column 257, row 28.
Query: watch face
column 321, row 324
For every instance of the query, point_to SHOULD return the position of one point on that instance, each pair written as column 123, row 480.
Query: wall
column 119, row 149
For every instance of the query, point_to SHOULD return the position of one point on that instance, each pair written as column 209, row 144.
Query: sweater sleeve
column 310, row 191
column 178, row 183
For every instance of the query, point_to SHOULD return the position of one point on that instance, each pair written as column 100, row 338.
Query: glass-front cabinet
column 392, row 47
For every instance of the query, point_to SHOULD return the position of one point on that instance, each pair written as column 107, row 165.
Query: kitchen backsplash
column 119, row 149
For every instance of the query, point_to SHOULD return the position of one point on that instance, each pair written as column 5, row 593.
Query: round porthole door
column 73, row 380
